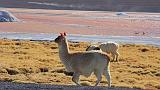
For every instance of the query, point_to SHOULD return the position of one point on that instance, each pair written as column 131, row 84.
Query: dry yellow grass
column 38, row 62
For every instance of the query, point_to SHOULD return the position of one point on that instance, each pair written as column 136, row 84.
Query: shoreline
column 84, row 38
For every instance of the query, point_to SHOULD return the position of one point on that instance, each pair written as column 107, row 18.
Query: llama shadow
column 30, row 86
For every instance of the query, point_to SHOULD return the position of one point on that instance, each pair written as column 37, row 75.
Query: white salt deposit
column 6, row 16
column 121, row 14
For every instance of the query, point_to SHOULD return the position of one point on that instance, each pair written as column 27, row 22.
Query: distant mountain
column 98, row 5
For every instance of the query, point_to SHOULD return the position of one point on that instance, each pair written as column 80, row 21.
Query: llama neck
column 64, row 54
column 63, row 51
column 63, row 48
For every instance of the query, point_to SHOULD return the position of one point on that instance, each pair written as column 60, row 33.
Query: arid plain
column 29, row 61
column 38, row 62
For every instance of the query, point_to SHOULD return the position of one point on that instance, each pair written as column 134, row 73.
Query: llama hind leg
column 99, row 77
column 117, row 55
column 107, row 75
column 113, row 56
column 75, row 78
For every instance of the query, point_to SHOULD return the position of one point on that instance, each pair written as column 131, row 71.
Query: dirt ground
column 38, row 62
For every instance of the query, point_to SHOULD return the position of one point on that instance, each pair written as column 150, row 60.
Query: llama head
column 60, row 38
column 92, row 47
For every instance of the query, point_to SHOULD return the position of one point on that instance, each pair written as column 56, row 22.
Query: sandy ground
column 38, row 62
column 83, row 22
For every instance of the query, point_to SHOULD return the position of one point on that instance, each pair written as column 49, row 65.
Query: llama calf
column 109, row 47
column 83, row 63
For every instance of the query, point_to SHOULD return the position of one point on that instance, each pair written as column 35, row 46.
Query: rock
column 12, row 71
column 2, row 70
column 44, row 69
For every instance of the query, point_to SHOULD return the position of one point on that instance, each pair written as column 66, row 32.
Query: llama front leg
column 75, row 78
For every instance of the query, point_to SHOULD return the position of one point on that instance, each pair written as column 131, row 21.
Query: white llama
column 109, row 47
column 83, row 63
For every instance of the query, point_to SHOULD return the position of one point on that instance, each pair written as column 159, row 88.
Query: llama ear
column 61, row 34
column 65, row 34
